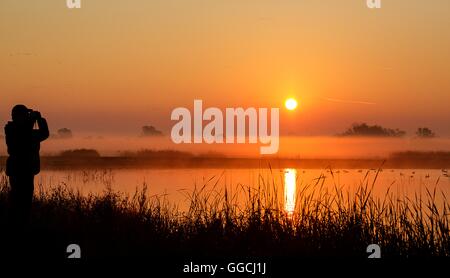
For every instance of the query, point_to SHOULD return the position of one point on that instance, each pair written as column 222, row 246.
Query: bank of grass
column 325, row 222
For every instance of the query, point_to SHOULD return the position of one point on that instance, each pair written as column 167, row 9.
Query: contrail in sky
column 348, row 101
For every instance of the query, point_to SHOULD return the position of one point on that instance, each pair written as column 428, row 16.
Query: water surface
column 175, row 185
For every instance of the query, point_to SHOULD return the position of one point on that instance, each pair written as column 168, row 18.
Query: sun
column 291, row 104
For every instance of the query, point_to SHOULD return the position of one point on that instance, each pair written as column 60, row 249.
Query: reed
column 237, row 221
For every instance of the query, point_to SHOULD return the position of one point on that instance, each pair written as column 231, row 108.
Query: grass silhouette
column 244, row 221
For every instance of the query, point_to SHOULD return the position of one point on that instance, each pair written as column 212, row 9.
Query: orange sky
column 113, row 66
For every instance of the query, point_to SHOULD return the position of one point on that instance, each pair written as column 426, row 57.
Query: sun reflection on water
column 290, row 188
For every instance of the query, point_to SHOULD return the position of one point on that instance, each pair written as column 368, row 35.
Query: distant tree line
column 372, row 130
column 421, row 155
column 363, row 129
column 66, row 133
column 80, row 153
column 357, row 129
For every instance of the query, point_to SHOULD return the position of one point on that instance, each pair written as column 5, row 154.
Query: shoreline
column 64, row 163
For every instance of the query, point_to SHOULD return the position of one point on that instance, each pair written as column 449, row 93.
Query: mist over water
column 290, row 146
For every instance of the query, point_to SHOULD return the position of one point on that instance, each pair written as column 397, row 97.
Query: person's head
column 20, row 113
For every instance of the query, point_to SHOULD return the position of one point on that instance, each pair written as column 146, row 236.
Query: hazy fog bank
column 289, row 147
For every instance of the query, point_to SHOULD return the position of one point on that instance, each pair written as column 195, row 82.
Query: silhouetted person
column 23, row 141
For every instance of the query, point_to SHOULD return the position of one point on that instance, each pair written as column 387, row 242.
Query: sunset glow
column 148, row 58
column 291, row 104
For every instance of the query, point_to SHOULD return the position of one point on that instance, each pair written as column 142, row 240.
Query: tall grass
column 237, row 221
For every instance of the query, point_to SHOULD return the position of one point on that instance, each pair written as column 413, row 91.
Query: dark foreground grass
column 325, row 223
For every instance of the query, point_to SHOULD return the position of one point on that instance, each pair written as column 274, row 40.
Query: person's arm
column 43, row 132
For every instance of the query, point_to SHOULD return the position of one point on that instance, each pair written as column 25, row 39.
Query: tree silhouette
column 150, row 131
column 364, row 129
column 425, row 132
column 64, row 133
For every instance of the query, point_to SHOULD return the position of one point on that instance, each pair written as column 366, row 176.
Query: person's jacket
column 23, row 145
